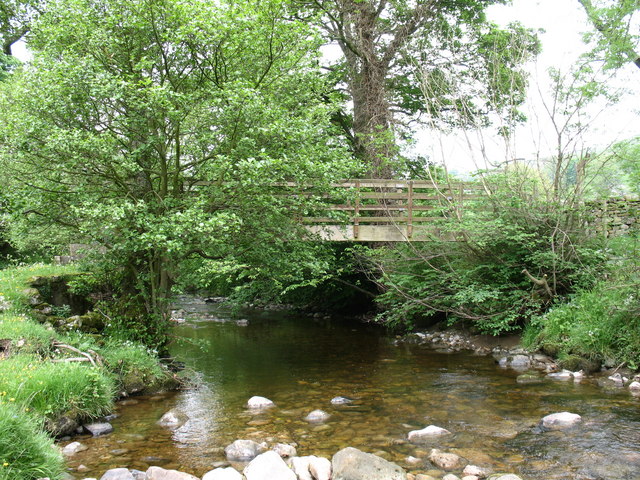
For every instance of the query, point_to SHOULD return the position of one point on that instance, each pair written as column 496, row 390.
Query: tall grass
column 52, row 389
column 26, row 452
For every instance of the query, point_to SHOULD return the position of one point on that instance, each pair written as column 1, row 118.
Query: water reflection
column 301, row 364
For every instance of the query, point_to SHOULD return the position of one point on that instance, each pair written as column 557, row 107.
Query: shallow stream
column 301, row 363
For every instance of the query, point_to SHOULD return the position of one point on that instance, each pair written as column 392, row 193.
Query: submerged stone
column 444, row 460
column 317, row 416
column 340, row 401
column 173, row 419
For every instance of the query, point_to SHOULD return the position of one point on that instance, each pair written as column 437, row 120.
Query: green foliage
column 127, row 104
column 481, row 278
column 601, row 322
column 26, row 452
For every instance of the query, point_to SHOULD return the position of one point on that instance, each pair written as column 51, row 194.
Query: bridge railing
column 390, row 210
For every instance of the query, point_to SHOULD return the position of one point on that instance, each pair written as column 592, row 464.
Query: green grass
column 25, row 334
column 35, row 389
column 14, row 280
column 26, row 452
column 51, row 389
column 598, row 324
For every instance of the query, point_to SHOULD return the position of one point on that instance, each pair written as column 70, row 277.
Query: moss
column 576, row 363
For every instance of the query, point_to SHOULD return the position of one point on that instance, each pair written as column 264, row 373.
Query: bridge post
column 356, row 216
column 410, row 209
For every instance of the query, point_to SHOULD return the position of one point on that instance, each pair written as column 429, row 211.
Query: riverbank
column 58, row 382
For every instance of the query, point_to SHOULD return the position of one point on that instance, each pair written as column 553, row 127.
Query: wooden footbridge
column 382, row 210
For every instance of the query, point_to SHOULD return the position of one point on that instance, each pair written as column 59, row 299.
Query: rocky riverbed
column 247, row 459
column 338, row 385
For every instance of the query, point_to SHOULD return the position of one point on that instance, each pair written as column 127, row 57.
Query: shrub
column 600, row 323
column 26, row 452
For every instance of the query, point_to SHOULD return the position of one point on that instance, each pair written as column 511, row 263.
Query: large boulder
column 353, row 464
column 117, row 474
column 244, row 450
column 268, row 466
column 228, row 473
column 560, row 421
column 320, row 468
column 157, row 473
column 444, row 460
column 300, row 466
column 427, row 433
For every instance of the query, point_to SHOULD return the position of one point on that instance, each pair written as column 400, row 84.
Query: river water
column 301, row 363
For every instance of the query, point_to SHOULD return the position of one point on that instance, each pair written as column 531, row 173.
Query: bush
column 26, row 452
column 600, row 323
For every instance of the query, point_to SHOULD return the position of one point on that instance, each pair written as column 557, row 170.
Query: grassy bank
column 51, row 381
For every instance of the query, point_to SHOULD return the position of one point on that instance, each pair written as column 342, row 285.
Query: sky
column 563, row 22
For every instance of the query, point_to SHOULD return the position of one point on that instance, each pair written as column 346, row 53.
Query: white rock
column 228, row 473
column 98, row 429
column 470, row 477
column 157, row 473
column 117, row 474
column 340, row 401
column 559, row 421
column 427, row 432
column 473, row 470
column 173, row 419
column 300, row 466
column 259, row 402
column 244, row 450
column 444, row 460
column 320, row 468
column 634, row 386
column 450, row 476
column 284, row 450
column 73, row 448
column 508, row 476
column 563, row 375
column 268, row 466
column 412, row 460
column 317, row 416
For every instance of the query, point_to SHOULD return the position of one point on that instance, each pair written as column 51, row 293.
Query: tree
column 616, row 24
column 15, row 20
column 384, row 45
column 157, row 129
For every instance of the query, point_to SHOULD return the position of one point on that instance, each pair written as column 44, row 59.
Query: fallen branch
column 71, row 359
column 85, row 356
